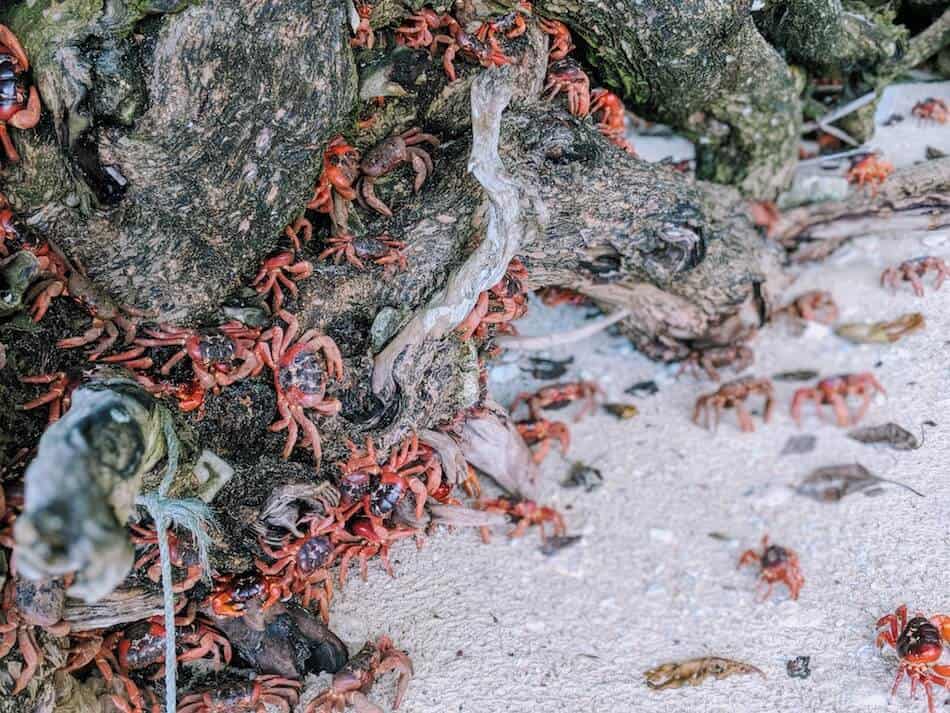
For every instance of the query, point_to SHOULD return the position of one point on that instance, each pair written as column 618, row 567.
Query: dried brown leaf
column 897, row 437
column 693, row 672
column 832, row 483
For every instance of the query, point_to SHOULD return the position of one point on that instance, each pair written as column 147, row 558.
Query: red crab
column 280, row 272
column 7, row 229
column 567, row 76
column 18, row 108
column 813, row 306
column 765, row 214
column 300, row 565
column 558, row 396
column 24, row 607
column 737, row 357
column 231, row 593
column 835, row 391
column 511, row 25
column 358, row 473
column 258, row 696
column 182, row 556
column 777, row 564
column 300, row 379
column 544, row 432
column 932, row 109
column 919, row 644
column 55, row 272
column 382, row 250
column 488, row 54
column 526, row 513
column 142, row 644
column 212, row 352
column 59, row 395
column 417, row 32
column 561, row 42
column 870, row 169
column 497, row 307
column 351, row 682
column 108, row 317
column 299, row 232
column 365, row 539
column 364, row 32
column 389, row 154
column 733, row 395
column 912, row 270
column 554, row 296
column 611, row 124
column 341, row 168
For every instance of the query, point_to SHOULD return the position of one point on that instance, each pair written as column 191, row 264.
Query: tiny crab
column 777, row 564
column 488, row 54
column 364, row 31
column 213, row 352
column 262, row 694
column 733, row 395
column 54, row 273
column 401, row 474
column 142, row 644
column 738, row 357
column 182, row 556
column 231, row 594
column 280, row 272
column 301, row 565
column 912, row 270
column 558, row 396
column 834, row 391
column 920, row 644
column 108, row 317
column 765, row 214
column 417, row 32
column 498, row 306
column 611, row 124
column 300, row 379
column 382, row 250
column 365, row 539
column 525, row 513
column 7, row 229
column 18, row 107
column 870, row 170
column 341, row 168
column 386, row 156
column 567, row 76
column 351, row 683
column 812, row 306
column 932, row 109
column 561, row 42
column 26, row 606
column 58, row 396
column 511, row 25
column 544, row 432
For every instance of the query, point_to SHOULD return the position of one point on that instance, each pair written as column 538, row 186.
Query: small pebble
column 798, row 667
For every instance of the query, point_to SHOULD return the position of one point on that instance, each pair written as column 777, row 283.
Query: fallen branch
column 553, row 340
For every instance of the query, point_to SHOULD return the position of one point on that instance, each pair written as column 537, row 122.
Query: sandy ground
column 501, row 627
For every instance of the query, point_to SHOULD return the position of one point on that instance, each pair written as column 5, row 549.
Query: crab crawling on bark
column 341, row 168
column 381, row 250
column 835, row 391
column 733, row 395
column 497, row 307
column 920, row 644
column 262, row 694
column 566, row 76
column 912, row 270
column 351, row 683
column 525, row 513
column 300, row 379
column 776, row 564
column 871, row 170
column 388, row 155
column 18, row 107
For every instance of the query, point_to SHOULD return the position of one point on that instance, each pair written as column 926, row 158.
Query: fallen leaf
column 643, row 388
column 897, row 437
column 622, row 411
column 799, row 375
column 797, row 445
column 831, row 483
column 583, row 476
column 693, row 672
column 556, row 543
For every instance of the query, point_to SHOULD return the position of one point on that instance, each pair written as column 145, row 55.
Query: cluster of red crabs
column 359, row 525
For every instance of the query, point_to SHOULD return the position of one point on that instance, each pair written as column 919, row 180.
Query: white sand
column 503, row 628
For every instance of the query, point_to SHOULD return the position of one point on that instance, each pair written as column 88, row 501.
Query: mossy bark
column 700, row 65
